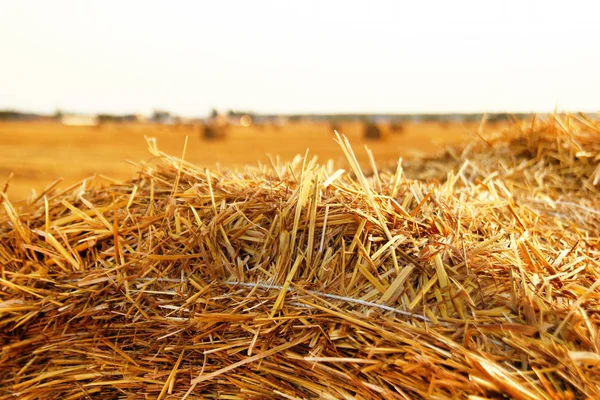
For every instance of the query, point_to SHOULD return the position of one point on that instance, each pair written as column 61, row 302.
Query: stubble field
column 39, row 153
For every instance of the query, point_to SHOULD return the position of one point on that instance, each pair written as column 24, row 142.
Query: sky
column 187, row 57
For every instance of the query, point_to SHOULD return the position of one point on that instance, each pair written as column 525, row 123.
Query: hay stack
column 213, row 131
column 335, row 126
column 296, row 281
column 397, row 127
column 371, row 131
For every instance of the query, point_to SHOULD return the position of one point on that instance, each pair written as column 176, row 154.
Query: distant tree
column 8, row 115
column 102, row 118
column 239, row 113
column 500, row 117
column 160, row 115
column 58, row 114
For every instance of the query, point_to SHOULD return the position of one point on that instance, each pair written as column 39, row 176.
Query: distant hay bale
column 335, row 126
column 213, row 131
column 371, row 131
column 397, row 127
column 275, row 126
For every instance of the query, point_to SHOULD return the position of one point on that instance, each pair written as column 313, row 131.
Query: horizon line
column 288, row 114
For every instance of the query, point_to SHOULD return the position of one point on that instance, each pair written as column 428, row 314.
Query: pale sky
column 305, row 56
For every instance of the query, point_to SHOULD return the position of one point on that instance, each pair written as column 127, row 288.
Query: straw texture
column 472, row 275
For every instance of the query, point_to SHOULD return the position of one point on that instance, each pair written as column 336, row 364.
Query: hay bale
column 371, row 131
column 292, row 281
column 212, row 131
column 335, row 126
column 397, row 127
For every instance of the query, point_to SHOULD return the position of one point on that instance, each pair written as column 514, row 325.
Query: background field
column 38, row 153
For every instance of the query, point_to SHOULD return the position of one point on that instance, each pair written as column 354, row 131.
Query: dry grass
column 472, row 275
column 40, row 153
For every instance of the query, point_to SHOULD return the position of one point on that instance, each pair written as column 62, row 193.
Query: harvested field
column 472, row 273
column 38, row 153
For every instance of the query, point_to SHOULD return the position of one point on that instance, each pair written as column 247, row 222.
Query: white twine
column 313, row 292
column 335, row 297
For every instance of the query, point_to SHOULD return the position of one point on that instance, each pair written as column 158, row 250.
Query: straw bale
column 213, row 131
column 372, row 131
column 335, row 126
column 474, row 274
column 397, row 127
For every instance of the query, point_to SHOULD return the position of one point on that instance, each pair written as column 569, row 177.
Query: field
column 38, row 153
